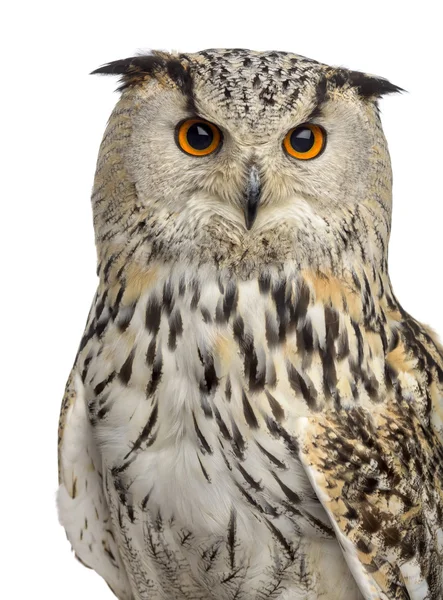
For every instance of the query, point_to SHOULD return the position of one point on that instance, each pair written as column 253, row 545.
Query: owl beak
column 252, row 196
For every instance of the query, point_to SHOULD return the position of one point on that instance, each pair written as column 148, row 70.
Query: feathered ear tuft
column 133, row 70
column 369, row 86
column 366, row 86
column 137, row 69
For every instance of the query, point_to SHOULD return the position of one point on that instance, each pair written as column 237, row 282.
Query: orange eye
column 198, row 137
column 305, row 142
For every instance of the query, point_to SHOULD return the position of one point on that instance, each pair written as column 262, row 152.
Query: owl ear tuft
column 133, row 70
column 369, row 86
column 137, row 69
column 366, row 86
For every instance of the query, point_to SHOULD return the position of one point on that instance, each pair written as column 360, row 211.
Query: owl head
column 240, row 160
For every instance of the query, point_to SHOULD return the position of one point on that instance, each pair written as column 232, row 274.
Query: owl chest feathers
column 203, row 379
column 196, row 387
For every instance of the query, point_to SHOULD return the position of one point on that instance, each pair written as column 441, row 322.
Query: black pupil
column 302, row 139
column 200, row 136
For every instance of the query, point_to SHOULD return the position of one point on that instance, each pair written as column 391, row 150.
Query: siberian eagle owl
column 251, row 414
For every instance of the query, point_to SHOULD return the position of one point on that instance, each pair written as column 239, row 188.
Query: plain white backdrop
column 53, row 115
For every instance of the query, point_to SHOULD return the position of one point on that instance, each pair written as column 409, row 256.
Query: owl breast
column 195, row 388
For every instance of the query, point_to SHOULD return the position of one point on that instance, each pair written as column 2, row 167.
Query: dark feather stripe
column 205, row 446
column 250, row 417
column 146, row 431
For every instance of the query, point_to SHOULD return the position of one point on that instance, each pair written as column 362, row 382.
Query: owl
column 251, row 415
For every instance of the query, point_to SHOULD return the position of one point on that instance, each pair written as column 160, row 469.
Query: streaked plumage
column 251, row 413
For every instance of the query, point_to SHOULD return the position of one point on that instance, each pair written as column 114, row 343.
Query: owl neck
column 128, row 272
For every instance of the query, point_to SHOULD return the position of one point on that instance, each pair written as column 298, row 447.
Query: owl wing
column 83, row 510
column 378, row 474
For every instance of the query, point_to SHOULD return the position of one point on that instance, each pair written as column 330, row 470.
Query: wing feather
column 378, row 476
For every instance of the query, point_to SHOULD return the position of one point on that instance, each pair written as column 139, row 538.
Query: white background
column 52, row 118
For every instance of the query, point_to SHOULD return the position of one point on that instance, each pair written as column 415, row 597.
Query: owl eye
column 305, row 142
column 198, row 137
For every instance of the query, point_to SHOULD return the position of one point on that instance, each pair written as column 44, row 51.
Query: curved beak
column 252, row 196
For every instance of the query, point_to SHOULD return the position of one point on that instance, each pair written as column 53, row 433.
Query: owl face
column 242, row 159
